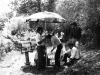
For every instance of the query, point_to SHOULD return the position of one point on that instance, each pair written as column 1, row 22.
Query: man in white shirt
column 73, row 54
column 40, row 48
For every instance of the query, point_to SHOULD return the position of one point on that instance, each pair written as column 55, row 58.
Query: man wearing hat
column 75, row 31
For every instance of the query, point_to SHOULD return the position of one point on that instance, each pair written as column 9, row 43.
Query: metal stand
column 27, row 58
column 27, row 63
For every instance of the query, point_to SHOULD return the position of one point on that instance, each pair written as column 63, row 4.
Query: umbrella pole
column 46, row 41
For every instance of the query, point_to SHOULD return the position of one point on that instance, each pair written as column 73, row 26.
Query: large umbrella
column 46, row 16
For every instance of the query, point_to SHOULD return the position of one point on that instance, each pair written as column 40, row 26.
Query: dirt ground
column 13, row 62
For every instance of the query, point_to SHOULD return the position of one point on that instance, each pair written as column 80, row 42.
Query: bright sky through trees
column 4, row 6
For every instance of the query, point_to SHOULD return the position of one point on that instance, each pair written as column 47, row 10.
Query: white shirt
column 75, row 53
column 38, row 38
column 55, row 41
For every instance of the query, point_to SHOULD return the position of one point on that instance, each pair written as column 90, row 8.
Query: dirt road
column 12, row 63
column 14, row 60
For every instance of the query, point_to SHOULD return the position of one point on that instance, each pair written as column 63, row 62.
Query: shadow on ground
column 47, row 71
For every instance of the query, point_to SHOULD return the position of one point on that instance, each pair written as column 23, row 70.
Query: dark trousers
column 57, row 55
column 41, row 53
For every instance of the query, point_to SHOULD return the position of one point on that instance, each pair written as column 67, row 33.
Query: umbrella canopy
column 18, row 19
column 46, row 16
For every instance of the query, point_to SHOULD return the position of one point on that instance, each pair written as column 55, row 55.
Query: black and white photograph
column 49, row 37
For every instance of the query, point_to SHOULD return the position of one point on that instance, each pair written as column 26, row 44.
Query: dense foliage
column 32, row 6
column 85, row 12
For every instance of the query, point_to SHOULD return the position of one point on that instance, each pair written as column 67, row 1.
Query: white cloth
column 36, row 55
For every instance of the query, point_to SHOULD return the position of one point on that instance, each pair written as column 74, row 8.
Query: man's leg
column 57, row 60
column 72, row 61
column 39, row 62
column 57, row 55
column 65, row 57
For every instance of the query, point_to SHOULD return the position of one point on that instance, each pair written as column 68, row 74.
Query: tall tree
column 32, row 6
column 39, row 5
column 73, row 10
column 51, row 5
column 26, row 6
column 93, row 21
column 86, row 13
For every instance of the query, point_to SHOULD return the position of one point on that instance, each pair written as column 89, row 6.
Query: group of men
column 72, row 54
